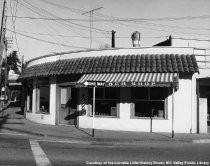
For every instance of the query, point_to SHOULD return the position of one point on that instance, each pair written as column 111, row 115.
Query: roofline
column 89, row 50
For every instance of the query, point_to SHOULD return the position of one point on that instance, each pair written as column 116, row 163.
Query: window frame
column 29, row 95
column 42, row 82
column 90, row 102
column 165, row 101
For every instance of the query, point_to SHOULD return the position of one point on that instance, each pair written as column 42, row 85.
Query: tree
column 13, row 63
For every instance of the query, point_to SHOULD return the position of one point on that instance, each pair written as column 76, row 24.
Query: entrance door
column 68, row 106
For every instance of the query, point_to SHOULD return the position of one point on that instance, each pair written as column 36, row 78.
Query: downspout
column 172, row 114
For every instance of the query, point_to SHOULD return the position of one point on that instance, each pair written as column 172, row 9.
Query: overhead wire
column 50, row 42
column 77, row 11
column 155, row 29
column 13, row 11
column 67, row 36
column 79, row 25
column 39, row 12
column 43, row 27
column 142, row 21
column 44, row 12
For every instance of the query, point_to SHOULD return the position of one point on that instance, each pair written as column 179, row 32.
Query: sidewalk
column 12, row 120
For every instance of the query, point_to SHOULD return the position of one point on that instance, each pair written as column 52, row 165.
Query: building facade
column 139, row 89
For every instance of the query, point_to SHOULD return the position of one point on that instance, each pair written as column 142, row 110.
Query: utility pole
column 91, row 22
column 2, row 38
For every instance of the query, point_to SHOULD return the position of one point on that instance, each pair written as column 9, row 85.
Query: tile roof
column 145, row 63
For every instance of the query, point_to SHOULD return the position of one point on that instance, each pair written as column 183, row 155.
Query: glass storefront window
column 29, row 95
column 149, row 102
column 105, row 101
column 44, row 99
column 43, row 95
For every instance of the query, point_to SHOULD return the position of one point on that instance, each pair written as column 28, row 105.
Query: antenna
column 91, row 21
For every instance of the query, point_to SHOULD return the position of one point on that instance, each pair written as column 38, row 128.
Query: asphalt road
column 25, row 151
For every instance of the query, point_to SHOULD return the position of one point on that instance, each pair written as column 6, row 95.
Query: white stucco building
column 157, row 89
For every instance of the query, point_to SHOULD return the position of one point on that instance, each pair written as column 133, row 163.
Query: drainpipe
column 172, row 114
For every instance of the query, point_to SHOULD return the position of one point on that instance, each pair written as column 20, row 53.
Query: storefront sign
column 137, row 84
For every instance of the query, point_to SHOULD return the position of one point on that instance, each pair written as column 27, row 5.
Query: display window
column 43, row 95
column 105, row 101
column 149, row 102
column 29, row 95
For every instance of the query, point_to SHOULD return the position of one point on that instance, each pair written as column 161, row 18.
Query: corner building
column 145, row 89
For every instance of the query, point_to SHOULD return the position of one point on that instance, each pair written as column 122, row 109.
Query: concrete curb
column 201, row 141
column 104, row 141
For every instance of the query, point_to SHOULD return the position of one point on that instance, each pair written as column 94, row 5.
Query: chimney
column 136, row 39
column 113, row 38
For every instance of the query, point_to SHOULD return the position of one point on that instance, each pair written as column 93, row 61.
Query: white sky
column 180, row 18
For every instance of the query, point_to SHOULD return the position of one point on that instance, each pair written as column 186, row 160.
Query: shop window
column 149, row 102
column 43, row 95
column 29, row 98
column 105, row 101
column 29, row 95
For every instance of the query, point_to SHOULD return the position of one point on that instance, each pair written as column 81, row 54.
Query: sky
column 40, row 27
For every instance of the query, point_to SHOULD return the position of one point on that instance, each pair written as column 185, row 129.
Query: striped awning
column 132, row 79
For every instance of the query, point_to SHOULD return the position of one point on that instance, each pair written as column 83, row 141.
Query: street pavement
column 12, row 120
column 19, row 150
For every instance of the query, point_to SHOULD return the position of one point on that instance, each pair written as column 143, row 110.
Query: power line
column 91, row 21
column 98, row 20
column 69, row 36
column 190, row 39
column 42, row 12
column 79, row 11
column 56, row 18
column 14, row 13
column 46, row 41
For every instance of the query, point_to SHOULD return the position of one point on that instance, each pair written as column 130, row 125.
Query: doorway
column 68, row 106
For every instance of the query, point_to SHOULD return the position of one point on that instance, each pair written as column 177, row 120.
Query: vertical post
column 113, row 38
column 94, row 92
column 172, row 136
column 5, row 75
column 91, row 22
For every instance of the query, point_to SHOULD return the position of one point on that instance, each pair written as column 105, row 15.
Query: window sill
column 153, row 118
column 45, row 113
column 103, row 116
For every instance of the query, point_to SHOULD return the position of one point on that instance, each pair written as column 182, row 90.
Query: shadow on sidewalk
column 162, row 135
column 19, row 112
column 3, row 120
column 84, row 131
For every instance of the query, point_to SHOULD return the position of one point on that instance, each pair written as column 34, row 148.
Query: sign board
column 127, row 84
column 95, row 83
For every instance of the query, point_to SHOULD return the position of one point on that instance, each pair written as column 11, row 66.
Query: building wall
column 37, row 117
column 185, row 113
column 182, row 114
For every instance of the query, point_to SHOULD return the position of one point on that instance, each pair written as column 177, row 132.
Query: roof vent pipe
column 136, row 39
column 113, row 38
